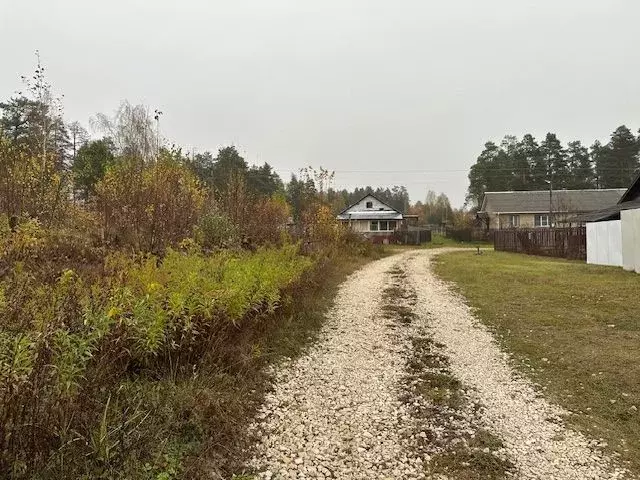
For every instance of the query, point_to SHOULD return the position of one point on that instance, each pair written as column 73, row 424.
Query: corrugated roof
column 537, row 201
column 375, row 215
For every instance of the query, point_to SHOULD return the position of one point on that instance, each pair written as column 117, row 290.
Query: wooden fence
column 412, row 237
column 469, row 234
column 552, row 242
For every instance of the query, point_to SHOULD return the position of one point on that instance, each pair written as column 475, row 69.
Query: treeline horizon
column 127, row 175
column 526, row 164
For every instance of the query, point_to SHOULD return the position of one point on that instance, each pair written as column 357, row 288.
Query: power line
column 505, row 169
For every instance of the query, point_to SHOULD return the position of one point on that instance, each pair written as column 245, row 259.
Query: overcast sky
column 383, row 92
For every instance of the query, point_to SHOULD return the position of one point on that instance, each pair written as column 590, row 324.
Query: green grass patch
column 573, row 328
column 440, row 241
column 474, row 460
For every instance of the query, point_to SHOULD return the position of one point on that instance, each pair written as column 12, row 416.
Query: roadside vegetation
column 142, row 290
column 573, row 328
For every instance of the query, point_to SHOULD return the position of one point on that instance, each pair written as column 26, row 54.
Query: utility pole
column 157, row 118
column 550, row 202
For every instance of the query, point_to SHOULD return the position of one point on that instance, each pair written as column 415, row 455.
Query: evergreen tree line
column 526, row 164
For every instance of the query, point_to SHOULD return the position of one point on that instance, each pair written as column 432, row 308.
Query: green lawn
column 439, row 241
column 573, row 328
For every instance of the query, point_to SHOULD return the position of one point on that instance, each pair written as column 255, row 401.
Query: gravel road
column 336, row 412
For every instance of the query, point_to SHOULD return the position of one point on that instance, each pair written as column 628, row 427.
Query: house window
column 382, row 225
column 541, row 220
column 514, row 221
column 369, row 204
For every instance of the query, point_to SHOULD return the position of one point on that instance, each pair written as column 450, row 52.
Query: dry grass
column 573, row 328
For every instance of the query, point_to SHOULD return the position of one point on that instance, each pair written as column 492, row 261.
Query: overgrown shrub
column 65, row 347
column 267, row 223
column 45, row 252
column 149, row 206
column 217, row 231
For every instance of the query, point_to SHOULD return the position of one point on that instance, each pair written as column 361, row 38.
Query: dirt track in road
column 357, row 407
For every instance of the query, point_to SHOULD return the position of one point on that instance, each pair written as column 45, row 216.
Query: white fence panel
column 604, row 243
column 615, row 242
column 603, row 237
column 629, row 239
column 592, row 243
column 634, row 218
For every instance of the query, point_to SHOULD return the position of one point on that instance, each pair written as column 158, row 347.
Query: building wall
column 362, row 226
column 359, row 226
column 527, row 220
column 604, row 243
column 504, row 221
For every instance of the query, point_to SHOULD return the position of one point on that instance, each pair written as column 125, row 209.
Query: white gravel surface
column 336, row 413
column 530, row 427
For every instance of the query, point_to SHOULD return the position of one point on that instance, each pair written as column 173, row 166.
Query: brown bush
column 149, row 206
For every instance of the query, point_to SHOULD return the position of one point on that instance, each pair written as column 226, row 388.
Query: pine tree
column 490, row 173
column 618, row 164
column 598, row 155
column 579, row 161
column 556, row 158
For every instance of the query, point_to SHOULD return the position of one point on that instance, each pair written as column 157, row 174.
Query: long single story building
column 542, row 208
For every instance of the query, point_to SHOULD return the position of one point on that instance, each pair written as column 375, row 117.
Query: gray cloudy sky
column 383, row 92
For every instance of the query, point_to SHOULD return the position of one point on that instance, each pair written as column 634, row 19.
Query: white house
column 613, row 234
column 373, row 218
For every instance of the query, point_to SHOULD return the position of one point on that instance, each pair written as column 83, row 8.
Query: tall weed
column 68, row 346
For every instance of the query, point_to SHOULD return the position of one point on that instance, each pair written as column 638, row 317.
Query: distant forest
column 525, row 164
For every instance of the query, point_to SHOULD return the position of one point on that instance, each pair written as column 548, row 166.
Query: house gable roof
column 537, row 201
column 389, row 207
column 358, row 211
column 633, row 192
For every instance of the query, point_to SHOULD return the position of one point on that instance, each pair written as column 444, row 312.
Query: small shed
column 613, row 233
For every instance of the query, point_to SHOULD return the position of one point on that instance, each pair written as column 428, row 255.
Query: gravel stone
column 531, row 428
column 338, row 405
column 336, row 411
